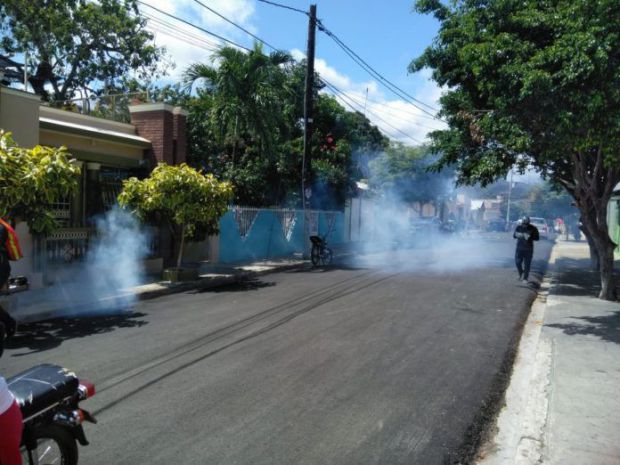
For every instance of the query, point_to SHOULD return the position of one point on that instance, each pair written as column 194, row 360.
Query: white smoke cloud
column 114, row 264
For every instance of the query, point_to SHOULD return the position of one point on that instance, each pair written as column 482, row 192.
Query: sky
column 387, row 35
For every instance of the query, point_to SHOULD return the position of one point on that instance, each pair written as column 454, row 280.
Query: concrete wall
column 267, row 238
column 19, row 114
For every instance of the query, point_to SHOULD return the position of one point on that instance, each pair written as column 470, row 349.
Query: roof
column 90, row 131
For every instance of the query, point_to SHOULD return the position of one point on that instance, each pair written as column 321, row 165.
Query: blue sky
column 387, row 37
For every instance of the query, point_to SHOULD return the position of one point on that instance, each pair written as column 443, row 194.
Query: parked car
column 543, row 228
column 497, row 225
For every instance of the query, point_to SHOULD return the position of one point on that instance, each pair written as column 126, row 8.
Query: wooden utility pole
column 306, row 176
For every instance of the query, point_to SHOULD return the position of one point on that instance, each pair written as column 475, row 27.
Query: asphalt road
column 394, row 359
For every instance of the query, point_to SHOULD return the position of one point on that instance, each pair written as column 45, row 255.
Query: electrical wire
column 155, row 26
column 388, row 108
column 194, row 26
column 284, row 6
column 374, row 73
column 235, row 24
column 346, row 99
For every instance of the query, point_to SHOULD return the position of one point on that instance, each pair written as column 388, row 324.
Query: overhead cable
column 235, row 24
column 280, row 5
column 194, row 26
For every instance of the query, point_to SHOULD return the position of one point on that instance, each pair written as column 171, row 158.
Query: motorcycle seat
column 42, row 387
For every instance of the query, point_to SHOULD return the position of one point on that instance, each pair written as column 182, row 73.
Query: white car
column 543, row 228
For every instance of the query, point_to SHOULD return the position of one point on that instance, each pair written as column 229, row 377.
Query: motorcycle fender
column 78, row 433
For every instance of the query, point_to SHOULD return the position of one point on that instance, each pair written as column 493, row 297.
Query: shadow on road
column 250, row 284
column 606, row 327
column 49, row 334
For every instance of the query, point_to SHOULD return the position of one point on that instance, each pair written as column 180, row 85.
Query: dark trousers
column 523, row 260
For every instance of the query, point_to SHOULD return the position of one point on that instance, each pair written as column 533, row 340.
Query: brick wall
column 165, row 127
column 180, row 135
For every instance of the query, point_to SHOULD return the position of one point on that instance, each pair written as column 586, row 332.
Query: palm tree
column 246, row 88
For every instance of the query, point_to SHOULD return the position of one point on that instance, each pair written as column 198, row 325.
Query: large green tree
column 76, row 45
column 533, row 83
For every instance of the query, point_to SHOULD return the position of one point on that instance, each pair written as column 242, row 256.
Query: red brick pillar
column 179, row 118
column 154, row 121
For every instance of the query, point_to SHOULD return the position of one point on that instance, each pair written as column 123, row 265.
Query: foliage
column 189, row 199
column 32, row 180
column 405, row 172
column 77, row 45
column 248, row 131
column 533, row 84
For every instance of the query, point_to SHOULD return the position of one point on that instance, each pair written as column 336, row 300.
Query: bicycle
column 320, row 253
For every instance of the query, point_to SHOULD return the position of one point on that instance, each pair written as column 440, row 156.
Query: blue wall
column 266, row 238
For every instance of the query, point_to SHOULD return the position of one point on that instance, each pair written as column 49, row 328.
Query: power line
column 374, row 73
column 285, row 6
column 235, row 24
column 388, row 108
column 344, row 97
column 157, row 26
column 194, row 26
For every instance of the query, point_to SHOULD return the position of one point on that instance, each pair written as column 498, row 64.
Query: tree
column 533, row 84
column 32, row 180
column 405, row 173
column 246, row 96
column 77, row 45
column 190, row 200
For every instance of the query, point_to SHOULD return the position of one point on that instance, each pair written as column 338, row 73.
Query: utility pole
column 306, row 177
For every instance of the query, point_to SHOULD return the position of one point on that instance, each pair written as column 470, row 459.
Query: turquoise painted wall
column 266, row 238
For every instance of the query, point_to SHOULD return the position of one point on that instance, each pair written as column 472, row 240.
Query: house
column 108, row 152
column 485, row 210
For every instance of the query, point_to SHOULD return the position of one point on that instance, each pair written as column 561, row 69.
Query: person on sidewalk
column 10, row 419
column 525, row 234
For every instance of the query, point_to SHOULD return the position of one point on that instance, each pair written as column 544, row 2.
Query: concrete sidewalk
column 65, row 301
column 563, row 402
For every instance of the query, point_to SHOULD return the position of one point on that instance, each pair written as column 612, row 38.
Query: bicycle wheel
column 315, row 255
column 326, row 256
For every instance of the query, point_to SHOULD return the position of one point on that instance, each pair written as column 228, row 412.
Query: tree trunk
column 608, row 282
column 595, row 261
column 181, row 246
column 595, row 222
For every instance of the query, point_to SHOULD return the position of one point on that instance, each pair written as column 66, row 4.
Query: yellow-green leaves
column 182, row 194
column 31, row 180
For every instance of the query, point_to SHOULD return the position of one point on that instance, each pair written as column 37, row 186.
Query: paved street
column 389, row 360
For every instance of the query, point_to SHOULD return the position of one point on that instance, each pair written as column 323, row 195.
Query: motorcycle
column 49, row 398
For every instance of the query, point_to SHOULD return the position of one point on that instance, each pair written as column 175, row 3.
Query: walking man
column 525, row 234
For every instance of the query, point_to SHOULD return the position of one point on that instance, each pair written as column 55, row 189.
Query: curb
column 165, row 289
column 519, row 437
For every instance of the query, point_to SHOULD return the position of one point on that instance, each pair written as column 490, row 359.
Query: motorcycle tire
column 315, row 255
column 59, row 444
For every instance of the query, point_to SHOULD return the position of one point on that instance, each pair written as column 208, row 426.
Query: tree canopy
column 532, row 84
column 192, row 201
column 32, row 181
column 77, row 45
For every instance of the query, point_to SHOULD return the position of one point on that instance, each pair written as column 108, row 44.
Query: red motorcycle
column 49, row 398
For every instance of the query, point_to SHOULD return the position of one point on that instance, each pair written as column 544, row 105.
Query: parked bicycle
column 320, row 253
